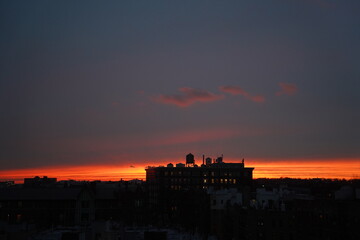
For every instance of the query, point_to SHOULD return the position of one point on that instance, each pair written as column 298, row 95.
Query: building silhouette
column 182, row 194
column 215, row 173
column 215, row 201
column 39, row 182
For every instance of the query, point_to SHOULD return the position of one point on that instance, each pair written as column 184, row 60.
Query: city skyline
column 88, row 89
column 278, row 169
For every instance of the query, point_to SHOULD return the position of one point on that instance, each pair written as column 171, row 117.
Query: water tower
column 190, row 160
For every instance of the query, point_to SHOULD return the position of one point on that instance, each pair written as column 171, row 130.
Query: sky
column 135, row 83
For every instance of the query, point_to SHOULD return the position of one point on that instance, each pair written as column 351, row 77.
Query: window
column 85, row 204
column 84, row 217
column 97, row 236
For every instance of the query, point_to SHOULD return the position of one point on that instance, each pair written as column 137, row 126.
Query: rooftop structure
column 39, row 182
column 166, row 183
column 212, row 172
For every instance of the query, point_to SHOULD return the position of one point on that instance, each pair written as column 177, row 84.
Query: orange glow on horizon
column 341, row 169
column 320, row 169
column 81, row 173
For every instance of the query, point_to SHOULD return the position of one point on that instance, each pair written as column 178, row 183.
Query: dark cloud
column 287, row 89
column 66, row 103
column 188, row 97
column 235, row 90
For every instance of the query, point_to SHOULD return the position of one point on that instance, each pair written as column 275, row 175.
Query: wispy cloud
column 188, row 97
column 258, row 98
column 235, row 90
column 287, row 89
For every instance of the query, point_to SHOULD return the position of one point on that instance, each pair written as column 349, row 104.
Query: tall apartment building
column 215, row 173
column 173, row 190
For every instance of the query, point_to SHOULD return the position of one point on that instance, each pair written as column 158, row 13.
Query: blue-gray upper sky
column 112, row 82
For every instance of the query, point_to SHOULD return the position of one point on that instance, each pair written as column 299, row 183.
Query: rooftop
column 206, row 163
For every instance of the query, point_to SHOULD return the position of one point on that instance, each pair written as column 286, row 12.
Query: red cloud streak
column 193, row 136
column 188, row 97
column 287, row 89
column 258, row 99
column 235, row 90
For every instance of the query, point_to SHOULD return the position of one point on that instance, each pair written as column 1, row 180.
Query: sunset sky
column 90, row 85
